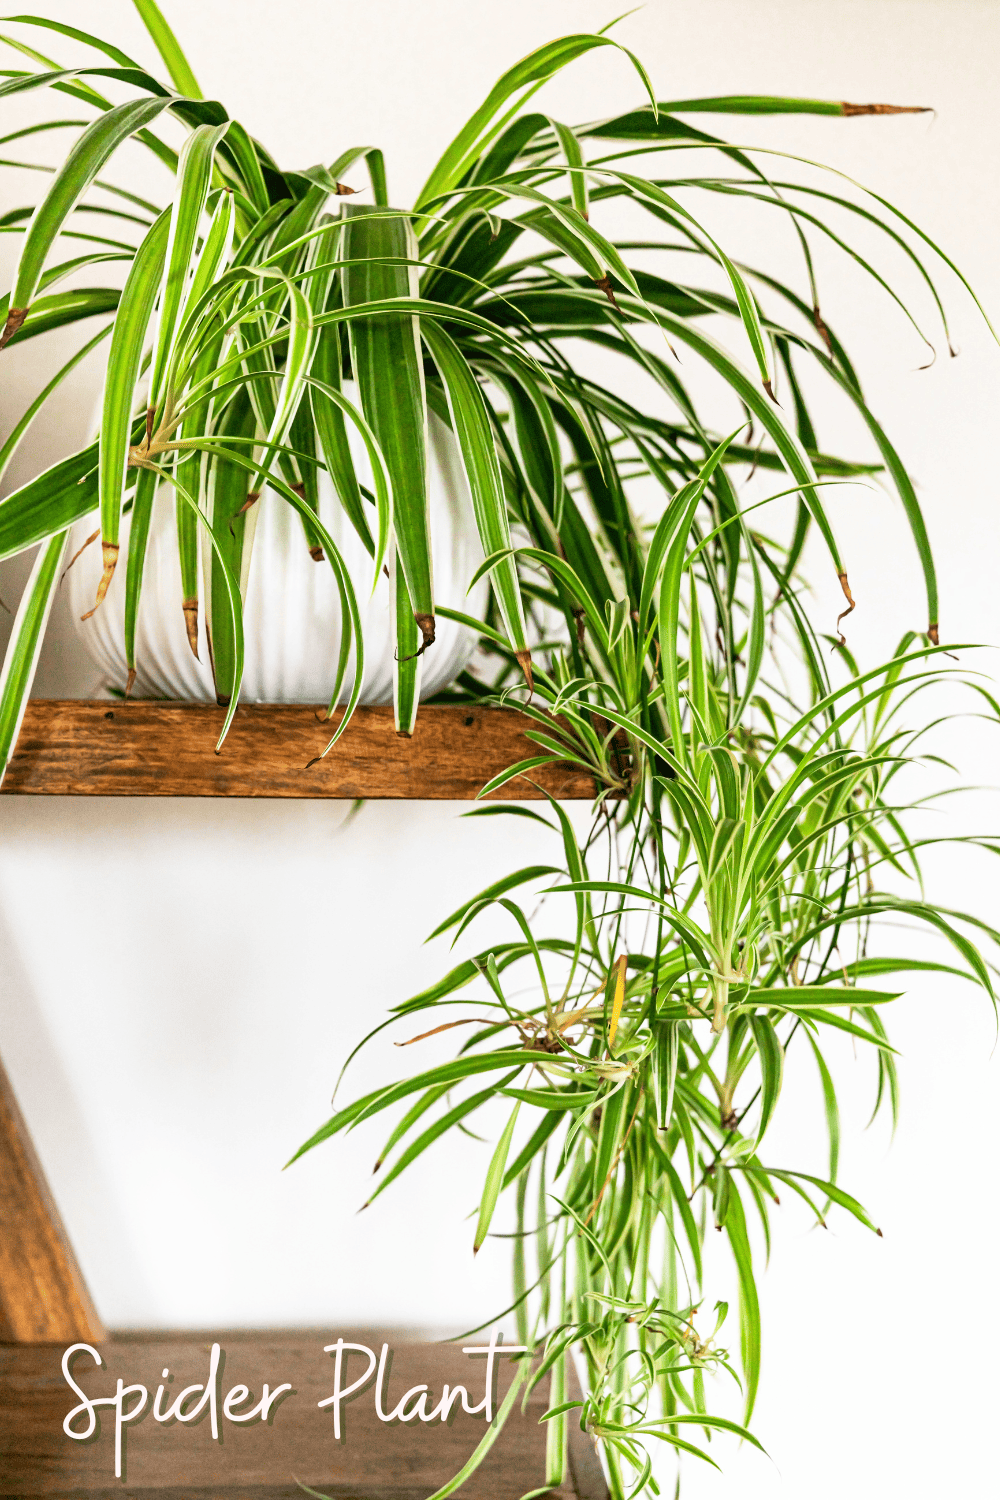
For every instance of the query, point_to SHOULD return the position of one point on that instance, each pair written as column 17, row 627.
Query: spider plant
column 753, row 827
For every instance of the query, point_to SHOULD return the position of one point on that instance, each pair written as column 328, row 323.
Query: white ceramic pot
column 292, row 609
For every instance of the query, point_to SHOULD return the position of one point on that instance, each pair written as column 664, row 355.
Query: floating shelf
column 74, row 748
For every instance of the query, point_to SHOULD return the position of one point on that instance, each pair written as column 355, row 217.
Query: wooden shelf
column 262, row 1461
column 72, row 748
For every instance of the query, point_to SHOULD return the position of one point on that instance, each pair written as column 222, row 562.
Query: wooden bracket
column 43, row 1299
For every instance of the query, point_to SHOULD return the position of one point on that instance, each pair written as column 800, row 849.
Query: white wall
column 171, row 1045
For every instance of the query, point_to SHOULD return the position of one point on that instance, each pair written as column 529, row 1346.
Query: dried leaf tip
column 524, row 662
column 842, row 578
column 130, row 682
column 769, row 388
column 885, row 109
column 110, row 553
column 605, row 286
column 190, row 608
column 15, row 319
column 932, row 634
column 80, row 551
column 427, row 632
column 316, row 553
column 251, row 499
column 823, row 331
column 343, row 191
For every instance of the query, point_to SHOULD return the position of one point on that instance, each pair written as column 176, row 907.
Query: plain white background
column 182, row 980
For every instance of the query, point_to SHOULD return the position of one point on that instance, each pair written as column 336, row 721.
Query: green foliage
column 717, row 922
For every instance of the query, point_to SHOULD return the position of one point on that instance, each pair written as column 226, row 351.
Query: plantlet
column 729, row 909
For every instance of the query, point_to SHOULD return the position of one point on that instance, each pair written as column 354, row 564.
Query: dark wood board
column 373, row 1460
column 73, row 748
column 43, row 1298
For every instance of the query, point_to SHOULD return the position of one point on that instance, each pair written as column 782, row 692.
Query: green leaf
column 808, row 996
column 380, row 1099
column 525, row 78
column 665, row 1058
column 736, row 1230
column 124, row 360
column 474, row 435
column 51, row 502
column 64, row 308
column 138, row 538
column 491, row 893
column 330, row 406
column 434, row 1132
column 493, row 1431
column 407, row 664
column 494, row 1180
column 387, row 364
column 834, row 1193
column 772, row 1062
column 194, row 177
column 83, row 162
column 17, row 432
column 169, row 48
column 26, row 642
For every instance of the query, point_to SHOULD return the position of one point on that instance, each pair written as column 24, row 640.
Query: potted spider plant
column 729, row 909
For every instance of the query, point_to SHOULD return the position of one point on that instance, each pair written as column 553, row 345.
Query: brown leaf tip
column 823, row 331
column 343, row 191
column 190, row 608
column 524, row 662
column 842, row 580
column 109, row 551
column 15, row 319
column 885, row 109
column 846, row 587
column 605, row 286
column 932, row 634
column 427, row 632
column 78, row 553
column 317, row 554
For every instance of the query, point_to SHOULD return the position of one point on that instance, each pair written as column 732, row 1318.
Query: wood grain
column 374, row 1460
column 100, row 749
column 43, row 1299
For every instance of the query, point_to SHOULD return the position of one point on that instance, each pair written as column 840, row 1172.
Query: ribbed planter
column 292, row 608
